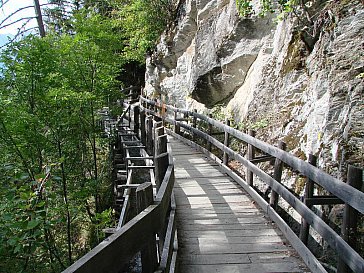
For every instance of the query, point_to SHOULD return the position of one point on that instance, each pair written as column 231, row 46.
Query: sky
column 9, row 8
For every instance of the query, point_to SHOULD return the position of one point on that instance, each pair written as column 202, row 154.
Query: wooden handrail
column 116, row 250
column 346, row 193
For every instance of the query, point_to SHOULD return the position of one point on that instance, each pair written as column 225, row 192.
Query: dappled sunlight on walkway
column 220, row 228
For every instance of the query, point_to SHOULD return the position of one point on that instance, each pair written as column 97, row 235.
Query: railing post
column 310, row 185
column 144, row 196
column 176, row 126
column 136, row 120
column 278, row 167
column 350, row 219
column 129, row 116
column 156, row 125
column 225, row 157
column 194, row 125
column 250, row 156
column 149, row 134
column 142, row 127
column 161, row 157
column 156, row 111
column 209, row 145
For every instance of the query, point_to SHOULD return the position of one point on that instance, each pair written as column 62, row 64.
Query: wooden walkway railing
column 156, row 216
column 186, row 122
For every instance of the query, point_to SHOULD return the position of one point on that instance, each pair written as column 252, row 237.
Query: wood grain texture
column 220, row 228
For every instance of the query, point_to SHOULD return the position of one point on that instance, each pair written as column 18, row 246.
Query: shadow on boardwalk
column 220, row 228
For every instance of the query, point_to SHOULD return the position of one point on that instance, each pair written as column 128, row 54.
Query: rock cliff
column 268, row 75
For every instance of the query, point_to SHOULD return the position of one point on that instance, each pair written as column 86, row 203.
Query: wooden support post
column 310, row 185
column 177, row 129
column 161, row 160
column 129, row 116
column 194, row 125
column 278, row 167
column 158, row 131
column 157, row 127
column 209, row 146
column 142, row 128
column 225, row 158
column 156, row 111
column 149, row 134
column 136, row 120
column 350, row 220
column 250, row 156
column 144, row 196
column 155, row 106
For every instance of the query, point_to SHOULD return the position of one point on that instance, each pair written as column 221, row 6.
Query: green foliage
column 283, row 7
column 54, row 167
column 142, row 22
column 244, row 7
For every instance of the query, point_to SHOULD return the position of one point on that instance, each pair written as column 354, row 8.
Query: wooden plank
column 278, row 168
column 215, row 259
column 275, row 257
column 210, row 234
column 236, row 210
column 322, row 200
column 246, row 268
column 190, row 191
column 237, row 226
column 165, row 190
column 208, row 180
column 201, row 168
column 225, row 221
column 167, row 252
column 232, row 240
column 182, row 173
column 188, row 215
column 225, row 157
column 231, row 248
column 214, row 199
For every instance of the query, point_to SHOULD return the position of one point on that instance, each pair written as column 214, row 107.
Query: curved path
column 220, row 229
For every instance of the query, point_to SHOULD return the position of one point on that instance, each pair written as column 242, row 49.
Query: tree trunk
column 38, row 13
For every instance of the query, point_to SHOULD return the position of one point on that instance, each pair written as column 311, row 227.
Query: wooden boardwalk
column 220, row 229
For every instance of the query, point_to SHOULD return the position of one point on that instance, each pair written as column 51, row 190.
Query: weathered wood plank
column 231, row 248
column 194, row 191
column 215, row 259
column 210, row 234
column 246, row 268
column 241, row 227
column 205, row 215
column 231, row 240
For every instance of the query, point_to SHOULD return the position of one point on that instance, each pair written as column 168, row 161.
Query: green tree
column 52, row 88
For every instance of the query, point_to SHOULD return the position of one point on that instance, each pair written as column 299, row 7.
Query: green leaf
column 17, row 249
column 32, row 224
column 12, row 241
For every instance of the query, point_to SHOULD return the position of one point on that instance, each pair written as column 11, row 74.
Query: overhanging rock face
column 268, row 76
column 206, row 57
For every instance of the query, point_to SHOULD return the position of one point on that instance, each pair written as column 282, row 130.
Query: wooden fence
column 156, row 216
column 186, row 122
